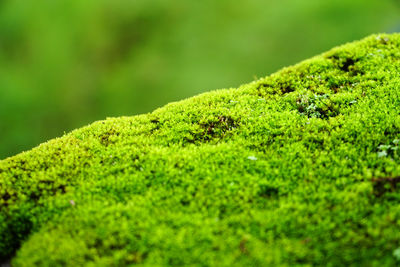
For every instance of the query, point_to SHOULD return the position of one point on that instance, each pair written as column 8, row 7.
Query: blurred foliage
column 66, row 63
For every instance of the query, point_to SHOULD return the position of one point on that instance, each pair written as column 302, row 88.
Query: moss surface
column 298, row 168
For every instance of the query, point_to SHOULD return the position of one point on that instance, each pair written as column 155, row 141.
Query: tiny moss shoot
column 298, row 168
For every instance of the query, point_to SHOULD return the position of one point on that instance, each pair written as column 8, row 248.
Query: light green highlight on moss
column 284, row 171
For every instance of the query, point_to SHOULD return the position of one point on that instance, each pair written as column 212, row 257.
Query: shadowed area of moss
column 298, row 168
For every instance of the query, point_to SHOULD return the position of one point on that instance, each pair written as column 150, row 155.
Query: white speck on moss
column 382, row 154
column 252, row 158
column 396, row 253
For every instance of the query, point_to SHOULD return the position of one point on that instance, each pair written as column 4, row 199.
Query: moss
column 298, row 168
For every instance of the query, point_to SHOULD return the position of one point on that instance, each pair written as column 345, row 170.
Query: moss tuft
column 298, row 168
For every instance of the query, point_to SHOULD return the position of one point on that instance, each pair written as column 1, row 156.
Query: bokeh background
column 66, row 63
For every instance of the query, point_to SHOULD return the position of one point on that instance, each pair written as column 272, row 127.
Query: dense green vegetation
column 66, row 63
column 298, row 168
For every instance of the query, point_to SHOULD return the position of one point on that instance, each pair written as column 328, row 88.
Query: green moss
column 298, row 168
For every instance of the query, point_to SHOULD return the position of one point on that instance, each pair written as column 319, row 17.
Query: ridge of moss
column 298, row 168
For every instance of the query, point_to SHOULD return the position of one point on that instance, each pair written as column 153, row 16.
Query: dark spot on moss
column 97, row 243
column 385, row 185
column 185, row 202
column 276, row 87
column 267, row 191
column 261, row 146
column 336, row 85
column 384, row 40
column 392, row 131
column 316, row 106
column 18, row 164
column 105, row 137
column 216, row 128
column 155, row 121
column 45, row 188
column 356, row 72
column 6, row 198
column 345, row 63
column 18, row 227
column 348, row 62
column 135, row 162
column 287, row 88
column 242, row 246
column 335, row 89
column 328, row 112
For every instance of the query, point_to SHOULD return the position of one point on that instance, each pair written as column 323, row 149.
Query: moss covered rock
column 298, row 168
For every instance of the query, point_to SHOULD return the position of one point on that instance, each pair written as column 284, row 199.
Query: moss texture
column 298, row 168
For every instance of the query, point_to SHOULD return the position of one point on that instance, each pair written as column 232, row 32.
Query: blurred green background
column 66, row 63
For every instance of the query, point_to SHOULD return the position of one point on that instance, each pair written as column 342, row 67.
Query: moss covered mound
column 298, row 168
